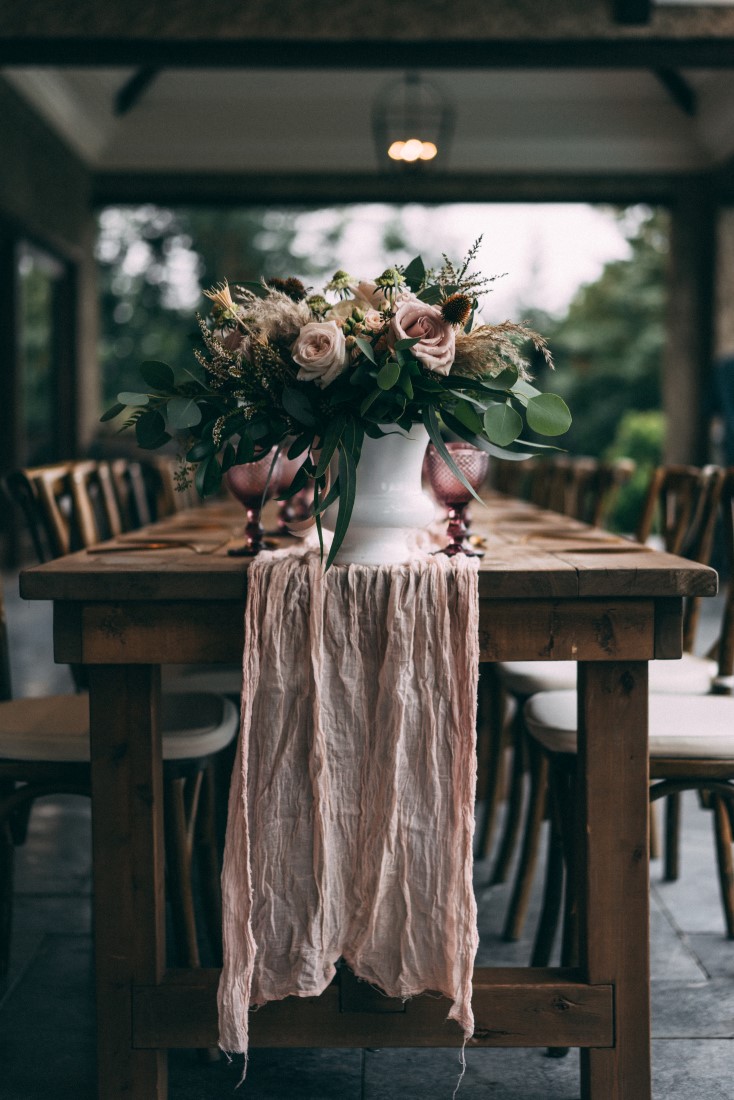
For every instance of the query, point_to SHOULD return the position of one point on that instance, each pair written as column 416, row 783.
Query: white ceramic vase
column 389, row 502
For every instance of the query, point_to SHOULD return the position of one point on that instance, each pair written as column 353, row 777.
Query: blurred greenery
column 154, row 261
column 641, row 437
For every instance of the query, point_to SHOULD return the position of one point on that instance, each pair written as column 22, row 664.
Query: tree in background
column 153, row 263
column 608, row 348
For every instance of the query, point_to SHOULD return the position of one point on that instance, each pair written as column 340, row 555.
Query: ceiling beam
column 622, row 52
column 634, row 12
column 133, row 89
column 680, row 91
column 242, row 189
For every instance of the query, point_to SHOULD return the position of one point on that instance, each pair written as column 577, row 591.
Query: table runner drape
column 351, row 807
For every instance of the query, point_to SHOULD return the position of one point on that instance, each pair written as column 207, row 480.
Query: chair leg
column 655, row 849
column 529, row 854
column 672, row 838
column 723, row 834
column 492, row 741
column 553, row 893
column 178, row 870
column 7, row 856
column 514, row 803
column 207, row 853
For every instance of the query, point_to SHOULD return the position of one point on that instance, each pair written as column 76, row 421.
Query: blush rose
column 321, row 352
column 436, row 339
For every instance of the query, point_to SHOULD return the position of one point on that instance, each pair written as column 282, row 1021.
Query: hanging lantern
column 412, row 123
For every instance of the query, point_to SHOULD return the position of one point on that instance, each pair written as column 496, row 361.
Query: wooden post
column 613, row 845
column 127, row 843
column 687, row 375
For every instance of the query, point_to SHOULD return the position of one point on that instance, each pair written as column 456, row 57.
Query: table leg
column 127, row 839
column 614, row 870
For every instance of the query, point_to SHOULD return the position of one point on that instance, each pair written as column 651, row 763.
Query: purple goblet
column 452, row 494
column 252, row 483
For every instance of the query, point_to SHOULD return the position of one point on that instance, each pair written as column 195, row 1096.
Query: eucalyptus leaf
column 388, row 375
column 547, row 414
column 464, row 412
column 301, row 444
column 297, row 404
column 182, row 413
column 112, row 412
column 245, row 449
column 502, row 424
column 407, row 342
column 505, row 380
column 415, row 273
column 130, row 397
column 478, row 441
column 150, row 430
column 432, row 295
column 366, row 348
column 158, row 375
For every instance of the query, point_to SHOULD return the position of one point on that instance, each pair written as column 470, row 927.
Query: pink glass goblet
column 452, row 494
column 249, row 483
column 291, row 509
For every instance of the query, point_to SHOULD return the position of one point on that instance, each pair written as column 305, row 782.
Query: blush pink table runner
column 351, row 807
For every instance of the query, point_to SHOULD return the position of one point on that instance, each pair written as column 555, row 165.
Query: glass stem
column 457, row 529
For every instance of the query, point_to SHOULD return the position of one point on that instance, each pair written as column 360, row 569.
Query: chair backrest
column 5, row 683
column 44, row 496
column 674, row 499
column 131, row 493
column 96, row 513
column 723, row 649
column 594, row 487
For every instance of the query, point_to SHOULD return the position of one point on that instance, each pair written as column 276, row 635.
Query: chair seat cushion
column 690, row 675
column 681, row 726
column 56, row 727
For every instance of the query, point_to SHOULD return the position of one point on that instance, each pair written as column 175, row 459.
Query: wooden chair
column 691, row 748
column 44, row 749
column 73, row 506
column 690, row 525
column 131, row 493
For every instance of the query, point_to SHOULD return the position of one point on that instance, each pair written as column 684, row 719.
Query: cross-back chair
column 691, row 740
column 44, row 742
column 687, row 501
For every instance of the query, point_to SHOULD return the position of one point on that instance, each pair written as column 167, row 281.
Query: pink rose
column 436, row 338
column 373, row 320
column 369, row 293
column 321, row 352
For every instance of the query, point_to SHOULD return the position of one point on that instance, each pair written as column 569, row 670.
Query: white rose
column 321, row 352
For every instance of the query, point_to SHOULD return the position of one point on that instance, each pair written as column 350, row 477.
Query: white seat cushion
column 680, row 726
column 688, row 676
column 56, row 727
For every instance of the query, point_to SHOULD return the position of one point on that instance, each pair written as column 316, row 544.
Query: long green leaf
column 431, row 423
column 113, row 411
column 332, row 435
column 348, row 483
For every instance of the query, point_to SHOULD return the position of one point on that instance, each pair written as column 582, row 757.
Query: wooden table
column 549, row 588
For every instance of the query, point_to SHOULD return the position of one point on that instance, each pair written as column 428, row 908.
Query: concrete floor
column 46, row 1009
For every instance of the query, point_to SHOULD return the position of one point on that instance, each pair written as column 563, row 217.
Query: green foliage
column 641, row 437
column 608, row 347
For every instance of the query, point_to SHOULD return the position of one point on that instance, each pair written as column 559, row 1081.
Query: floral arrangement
column 313, row 373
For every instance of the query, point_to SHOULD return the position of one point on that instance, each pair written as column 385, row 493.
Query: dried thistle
column 456, row 310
